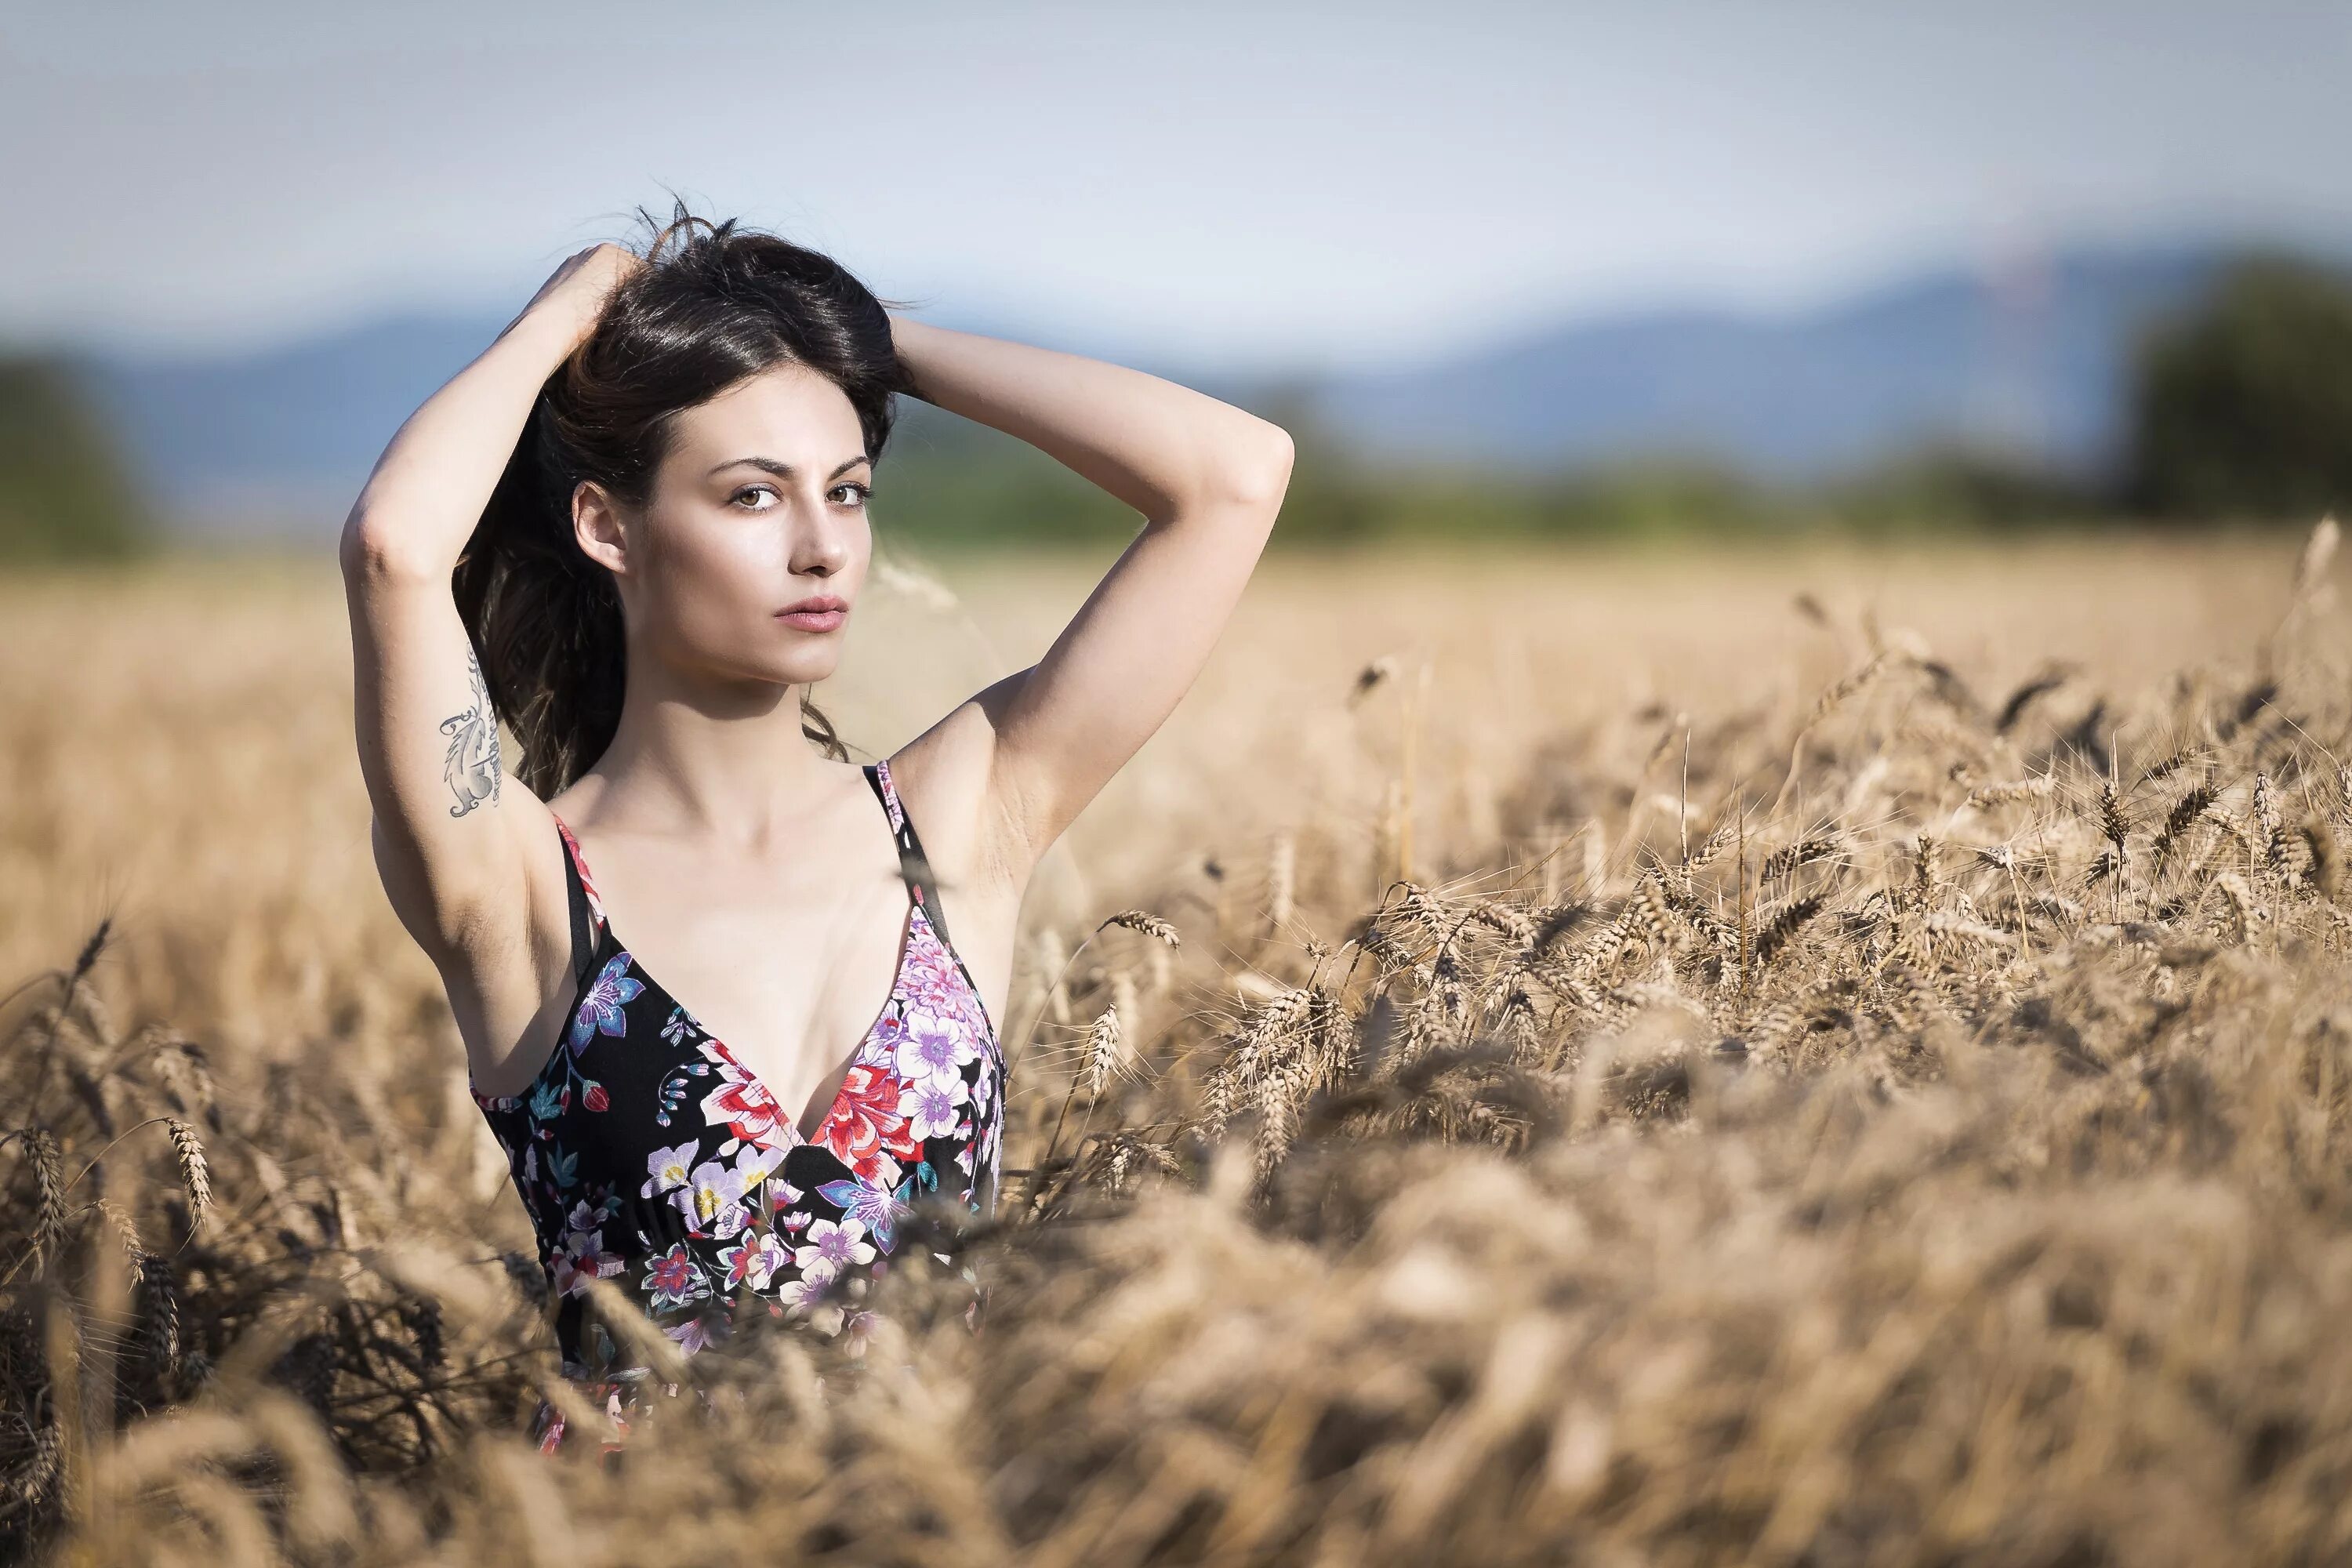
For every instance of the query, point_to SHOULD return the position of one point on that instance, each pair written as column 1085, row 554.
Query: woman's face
column 759, row 506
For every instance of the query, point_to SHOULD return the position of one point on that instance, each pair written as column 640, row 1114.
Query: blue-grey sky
column 1256, row 183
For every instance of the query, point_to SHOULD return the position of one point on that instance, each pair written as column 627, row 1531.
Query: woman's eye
column 753, row 491
column 858, row 494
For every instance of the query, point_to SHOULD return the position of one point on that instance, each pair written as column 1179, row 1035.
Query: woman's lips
column 814, row 620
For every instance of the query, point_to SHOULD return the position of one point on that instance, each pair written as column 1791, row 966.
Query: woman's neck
column 722, row 765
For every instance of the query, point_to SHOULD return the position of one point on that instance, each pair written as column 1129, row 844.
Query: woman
column 635, row 529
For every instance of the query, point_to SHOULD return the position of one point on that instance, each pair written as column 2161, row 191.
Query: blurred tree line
column 2245, row 404
column 65, row 490
column 2239, row 408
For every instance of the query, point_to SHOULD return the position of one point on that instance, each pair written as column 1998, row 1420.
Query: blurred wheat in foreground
column 1904, row 1123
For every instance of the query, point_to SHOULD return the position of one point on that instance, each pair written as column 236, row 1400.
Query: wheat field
column 1787, row 1055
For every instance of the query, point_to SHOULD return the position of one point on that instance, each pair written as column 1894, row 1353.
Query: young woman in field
column 635, row 529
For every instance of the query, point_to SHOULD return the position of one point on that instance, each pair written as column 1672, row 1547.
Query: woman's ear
column 597, row 524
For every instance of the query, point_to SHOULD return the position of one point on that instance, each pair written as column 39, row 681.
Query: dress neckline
column 790, row 1123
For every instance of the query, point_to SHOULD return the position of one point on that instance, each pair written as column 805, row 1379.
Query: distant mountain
column 2036, row 364
column 280, row 441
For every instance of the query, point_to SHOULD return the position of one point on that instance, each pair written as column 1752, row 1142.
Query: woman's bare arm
column 446, row 821
column 1208, row 478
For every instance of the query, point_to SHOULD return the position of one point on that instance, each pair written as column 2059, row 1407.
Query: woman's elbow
column 1257, row 471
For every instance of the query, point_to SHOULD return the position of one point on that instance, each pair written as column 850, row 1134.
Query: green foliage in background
column 956, row 485
column 2244, row 405
column 64, row 494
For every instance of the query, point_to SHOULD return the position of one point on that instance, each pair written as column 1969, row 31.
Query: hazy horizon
column 1257, row 188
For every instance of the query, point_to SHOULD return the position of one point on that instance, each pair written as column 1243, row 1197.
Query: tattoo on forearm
column 472, row 768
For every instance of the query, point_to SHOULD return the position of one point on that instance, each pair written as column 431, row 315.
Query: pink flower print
column 600, row 1010
column 672, row 1278
column 932, row 976
column 864, row 1127
column 932, row 1106
column 583, row 1259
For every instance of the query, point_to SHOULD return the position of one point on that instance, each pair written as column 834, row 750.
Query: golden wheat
column 1851, row 1185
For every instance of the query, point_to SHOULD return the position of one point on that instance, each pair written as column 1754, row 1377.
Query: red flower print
column 743, row 1102
column 596, row 1098
column 864, row 1127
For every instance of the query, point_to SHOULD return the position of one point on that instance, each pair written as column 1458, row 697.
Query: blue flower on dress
column 874, row 1207
column 600, row 1009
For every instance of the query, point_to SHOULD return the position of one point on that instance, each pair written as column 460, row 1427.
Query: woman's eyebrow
column 782, row 470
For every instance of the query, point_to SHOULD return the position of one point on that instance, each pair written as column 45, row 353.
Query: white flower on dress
column 713, row 1199
column 755, row 1259
column 930, row 1047
column 833, row 1246
column 667, row 1168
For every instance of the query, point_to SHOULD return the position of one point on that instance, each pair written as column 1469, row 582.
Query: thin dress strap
column 584, row 913
column 913, row 864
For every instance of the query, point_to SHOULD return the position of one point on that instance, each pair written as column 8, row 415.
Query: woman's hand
column 577, row 290
column 905, row 339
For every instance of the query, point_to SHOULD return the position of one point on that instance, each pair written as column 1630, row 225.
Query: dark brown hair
column 714, row 304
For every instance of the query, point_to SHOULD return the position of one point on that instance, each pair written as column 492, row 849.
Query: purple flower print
column 832, row 1247
column 600, row 1009
column 890, row 1030
column 933, row 1106
column 928, row 1049
column 697, row 1333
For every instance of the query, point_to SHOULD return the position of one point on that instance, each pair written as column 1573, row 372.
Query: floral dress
column 646, row 1153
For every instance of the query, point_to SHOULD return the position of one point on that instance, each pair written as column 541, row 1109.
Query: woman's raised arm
column 446, row 834
column 1208, row 478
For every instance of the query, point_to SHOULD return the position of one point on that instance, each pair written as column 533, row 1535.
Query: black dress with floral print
column 646, row 1153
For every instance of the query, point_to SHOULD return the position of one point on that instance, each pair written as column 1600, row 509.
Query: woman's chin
column 805, row 670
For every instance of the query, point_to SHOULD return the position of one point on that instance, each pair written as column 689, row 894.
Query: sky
column 1262, row 184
